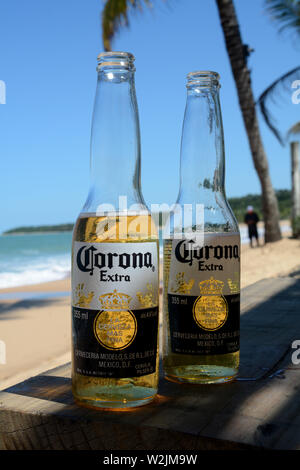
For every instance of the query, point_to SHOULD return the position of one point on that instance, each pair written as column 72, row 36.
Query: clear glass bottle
column 115, row 257
column 202, row 275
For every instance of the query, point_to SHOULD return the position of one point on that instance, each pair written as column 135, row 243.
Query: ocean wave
column 43, row 270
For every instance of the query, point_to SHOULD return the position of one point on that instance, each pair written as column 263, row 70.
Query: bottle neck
column 115, row 141
column 202, row 146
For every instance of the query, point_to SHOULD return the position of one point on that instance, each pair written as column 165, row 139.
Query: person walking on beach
column 251, row 219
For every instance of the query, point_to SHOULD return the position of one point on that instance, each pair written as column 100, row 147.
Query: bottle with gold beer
column 115, row 257
column 202, row 254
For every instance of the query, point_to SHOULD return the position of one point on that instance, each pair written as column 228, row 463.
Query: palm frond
column 115, row 16
column 271, row 94
column 285, row 12
column 294, row 130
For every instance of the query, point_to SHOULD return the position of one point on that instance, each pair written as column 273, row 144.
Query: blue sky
column 48, row 56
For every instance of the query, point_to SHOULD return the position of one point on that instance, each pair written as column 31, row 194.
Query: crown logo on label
column 182, row 286
column 149, row 299
column 83, row 298
column 234, row 284
column 115, row 301
column 211, row 286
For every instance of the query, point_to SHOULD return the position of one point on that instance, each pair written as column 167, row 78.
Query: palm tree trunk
column 295, row 163
column 242, row 79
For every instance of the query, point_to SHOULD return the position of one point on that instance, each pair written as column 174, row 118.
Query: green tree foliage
column 286, row 13
column 41, row 229
column 239, row 204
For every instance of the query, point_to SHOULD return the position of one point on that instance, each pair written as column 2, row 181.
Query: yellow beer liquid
column 115, row 393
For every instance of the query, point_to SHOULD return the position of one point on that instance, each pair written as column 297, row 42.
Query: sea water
column 42, row 257
column 34, row 258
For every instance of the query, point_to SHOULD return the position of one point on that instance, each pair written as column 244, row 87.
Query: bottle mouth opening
column 116, row 60
column 203, row 78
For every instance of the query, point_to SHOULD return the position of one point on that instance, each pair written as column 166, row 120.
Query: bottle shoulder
column 211, row 213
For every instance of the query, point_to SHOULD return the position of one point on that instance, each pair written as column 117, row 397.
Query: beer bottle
column 202, row 255
column 115, row 257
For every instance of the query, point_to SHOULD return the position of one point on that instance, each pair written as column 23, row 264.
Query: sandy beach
column 35, row 319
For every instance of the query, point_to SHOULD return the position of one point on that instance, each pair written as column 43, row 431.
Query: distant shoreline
column 238, row 205
column 40, row 232
column 37, row 232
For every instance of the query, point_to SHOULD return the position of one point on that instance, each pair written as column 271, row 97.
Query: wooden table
column 259, row 410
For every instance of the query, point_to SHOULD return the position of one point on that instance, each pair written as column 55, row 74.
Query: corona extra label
column 204, row 294
column 115, row 308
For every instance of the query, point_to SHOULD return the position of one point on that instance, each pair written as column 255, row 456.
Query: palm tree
column 115, row 13
column 293, row 132
column 238, row 60
column 268, row 96
column 114, row 16
column 287, row 14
